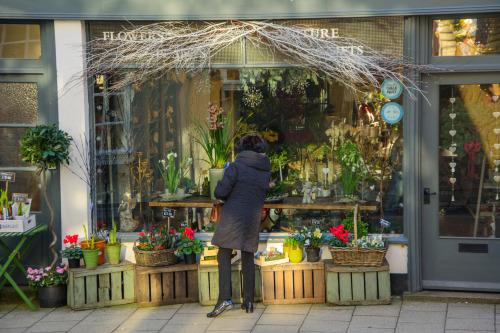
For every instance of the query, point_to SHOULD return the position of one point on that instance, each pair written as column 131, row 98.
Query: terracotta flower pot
column 97, row 242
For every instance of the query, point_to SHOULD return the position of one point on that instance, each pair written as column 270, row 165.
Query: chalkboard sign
column 316, row 222
column 19, row 197
column 184, row 224
column 168, row 212
column 7, row 176
column 385, row 223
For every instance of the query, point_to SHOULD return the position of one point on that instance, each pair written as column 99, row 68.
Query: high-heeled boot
column 220, row 308
column 248, row 306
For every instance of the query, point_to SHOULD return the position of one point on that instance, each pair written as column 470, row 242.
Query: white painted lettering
column 324, row 33
column 105, row 35
column 335, row 32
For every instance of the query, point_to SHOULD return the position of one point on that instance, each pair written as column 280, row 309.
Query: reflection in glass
column 466, row 37
column 469, row 158
column 19, row 103
column 26, row 182
column 303, row 117
column 20, row 41
column 11, row 138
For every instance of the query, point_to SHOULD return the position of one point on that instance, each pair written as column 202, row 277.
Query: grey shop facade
column 440, row 195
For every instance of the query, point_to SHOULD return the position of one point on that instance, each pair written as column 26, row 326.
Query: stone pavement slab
column 399, row 317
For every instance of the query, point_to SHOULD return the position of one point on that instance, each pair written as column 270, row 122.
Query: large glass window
column 466, row 36
column 306, row 120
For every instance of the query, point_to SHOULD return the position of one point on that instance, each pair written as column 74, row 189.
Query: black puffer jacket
column 243, row 188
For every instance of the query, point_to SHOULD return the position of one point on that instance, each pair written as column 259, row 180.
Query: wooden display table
column 357, row 285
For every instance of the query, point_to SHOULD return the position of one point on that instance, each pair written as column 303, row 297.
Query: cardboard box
column 18, row 225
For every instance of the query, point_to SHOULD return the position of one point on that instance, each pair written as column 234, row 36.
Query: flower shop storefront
column 328, row 143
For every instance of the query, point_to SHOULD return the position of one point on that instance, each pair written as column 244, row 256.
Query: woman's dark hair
column 253, row 142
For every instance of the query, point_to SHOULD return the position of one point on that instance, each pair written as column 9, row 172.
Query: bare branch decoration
column 155, row 49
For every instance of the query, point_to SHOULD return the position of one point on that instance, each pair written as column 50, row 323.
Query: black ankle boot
column 248, row 306
column 225, row 305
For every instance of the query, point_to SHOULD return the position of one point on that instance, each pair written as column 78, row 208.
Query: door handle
column 427, row 191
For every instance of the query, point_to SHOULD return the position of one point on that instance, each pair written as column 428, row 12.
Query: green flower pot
column 215, row 176
column 113, row 253
column 295, row 255
column 90, row 257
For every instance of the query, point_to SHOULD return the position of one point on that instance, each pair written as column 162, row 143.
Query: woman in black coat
column 243, row 188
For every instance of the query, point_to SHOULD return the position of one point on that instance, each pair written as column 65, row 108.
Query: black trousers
column 248, row 269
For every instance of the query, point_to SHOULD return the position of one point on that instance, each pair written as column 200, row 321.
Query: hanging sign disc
column 392, row 113
column 391, row 88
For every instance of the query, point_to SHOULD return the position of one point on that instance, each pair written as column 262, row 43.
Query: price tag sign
column 385, row 223
column 316, row 222
column 184, row 224
column 20, row 197
column 7, row 177
column 167, row 212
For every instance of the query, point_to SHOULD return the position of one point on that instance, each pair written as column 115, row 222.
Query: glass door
column 461, row 183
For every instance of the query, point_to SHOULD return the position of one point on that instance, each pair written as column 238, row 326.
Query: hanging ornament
column 496, row 130
column 252, row 97
column 453, row 146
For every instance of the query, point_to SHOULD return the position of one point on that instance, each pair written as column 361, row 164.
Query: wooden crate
column 106, row 285
column 208, row 281
column 294, row 283
column 175, row 284
column 357, row 285
column 213, row 253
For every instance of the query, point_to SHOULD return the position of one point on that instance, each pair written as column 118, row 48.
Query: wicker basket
column 155, row 258
column 354, row 256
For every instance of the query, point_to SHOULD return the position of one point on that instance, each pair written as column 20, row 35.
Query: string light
column 453, row 146
column 496, row 130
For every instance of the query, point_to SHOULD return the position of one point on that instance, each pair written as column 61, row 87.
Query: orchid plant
column 216, row 137
column 170, row 173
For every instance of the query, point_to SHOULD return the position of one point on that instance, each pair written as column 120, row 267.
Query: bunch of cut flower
column 47, row 276
column 157, row 240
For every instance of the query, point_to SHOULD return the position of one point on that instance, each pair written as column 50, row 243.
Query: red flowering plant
column 188, row 244
column 340, row 237
column 157, row 240
column 72, row 251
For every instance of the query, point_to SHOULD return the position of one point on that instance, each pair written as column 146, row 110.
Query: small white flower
column 189, row 161
column 162, row 162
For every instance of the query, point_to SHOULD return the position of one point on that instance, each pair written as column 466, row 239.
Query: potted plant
column 113, row 248
column 99, row 241
column 46, row 147
column 216, row 139
column 50, row 284
column 156, row 248
column 188, row 246
column 286, row 244
column 90, row 251
column 172, row 175
column 313, row 238
column 352, row 168
column 296, row 249
column 73, row 253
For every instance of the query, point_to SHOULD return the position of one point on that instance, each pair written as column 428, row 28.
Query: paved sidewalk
column 400, row 316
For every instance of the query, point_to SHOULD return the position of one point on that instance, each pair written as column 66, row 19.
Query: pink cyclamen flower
column 47, row 268
column 37, row 278
column 60, row 270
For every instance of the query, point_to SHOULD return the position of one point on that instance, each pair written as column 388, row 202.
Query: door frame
column 431, row 84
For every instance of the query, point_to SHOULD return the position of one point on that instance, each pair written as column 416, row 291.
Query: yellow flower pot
column 285, row 248
column 295, row 255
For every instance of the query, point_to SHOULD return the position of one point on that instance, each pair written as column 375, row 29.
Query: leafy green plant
column 46, row 146
column 216, row 136
column 4, row 201
column 73, row 251
column 188, row 244
column 90, row 244
column 348, row 223
column 112, row 236
column 352, row 166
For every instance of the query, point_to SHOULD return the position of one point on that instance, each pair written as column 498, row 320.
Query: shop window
column 468, row 36
column 304, row 118
column 20, row 41
column 18, row 110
